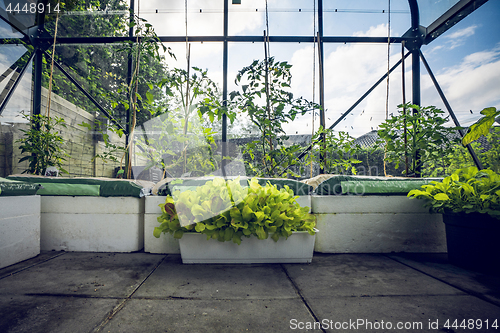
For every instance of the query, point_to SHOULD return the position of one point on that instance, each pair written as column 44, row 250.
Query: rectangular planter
column 166, row 243
column 19, row 228
column 92, row 224
column 376, row 224
column 196, row 249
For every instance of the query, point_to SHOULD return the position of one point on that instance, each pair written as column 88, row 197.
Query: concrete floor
column 141, row 292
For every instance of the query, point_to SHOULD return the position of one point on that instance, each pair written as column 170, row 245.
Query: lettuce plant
column 228, row 211
column 467, row 190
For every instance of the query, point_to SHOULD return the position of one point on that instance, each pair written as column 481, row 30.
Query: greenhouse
column 224, row 144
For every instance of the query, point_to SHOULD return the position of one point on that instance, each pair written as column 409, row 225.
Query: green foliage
column 482, row 126
column 427, row 137
column 112, row 150
column 43, row 143
column 467, row 190
column 169, row 148
column 180, row 143
column 103, row 69
column 266, row 98
column 340, row 152
column 489, row 155
column 228, row 211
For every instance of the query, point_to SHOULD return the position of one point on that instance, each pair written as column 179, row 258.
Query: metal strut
column 452, row 114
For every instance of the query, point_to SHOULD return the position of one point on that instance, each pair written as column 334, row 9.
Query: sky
column 465, row 60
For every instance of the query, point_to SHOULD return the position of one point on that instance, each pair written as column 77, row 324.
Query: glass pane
column 7, row 31
column 248, row 18
column 430, row 10
column 176, row 138
column 295, row 18
column 88, row 154
column 100, row 69
column 20, row 100
column 21, row 14
column 350, row 71
column 359, row 18
column 466, row 63
column 204, row 18
column 109, row 19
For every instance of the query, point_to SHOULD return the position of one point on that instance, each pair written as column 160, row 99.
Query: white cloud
column 350, row 70
column 462, row 33
column 473, row 84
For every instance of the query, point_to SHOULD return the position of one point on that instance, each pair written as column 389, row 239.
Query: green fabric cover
column 108, row 188
column 69, row 189
column 333, row 186
column 10, row 187
column 380, row 187
column 297, row 187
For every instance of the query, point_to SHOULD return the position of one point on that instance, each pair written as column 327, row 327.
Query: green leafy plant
column 228, row 211
column 44, row 144
column 266, row 98
column 482, row 126
column 427, row 139
column 467, row 190
column 340, row 151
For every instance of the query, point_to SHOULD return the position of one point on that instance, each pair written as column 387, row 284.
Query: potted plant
column 469, row 200
column 225, row 222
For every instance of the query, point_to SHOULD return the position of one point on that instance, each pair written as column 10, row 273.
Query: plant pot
column 472, row 241
column 196, row 249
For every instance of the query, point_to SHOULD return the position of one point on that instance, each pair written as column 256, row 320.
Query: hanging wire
column 403, row 88
column 47, row 112
column 313, row 84
column 186, row 22
column 388, row 73
column 267, row 29
column 388, row 58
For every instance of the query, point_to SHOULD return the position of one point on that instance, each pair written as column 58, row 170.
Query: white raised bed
column 167, row 243
column 376, row 224
column 19, row 228
column 196, row 249
column 92, row 224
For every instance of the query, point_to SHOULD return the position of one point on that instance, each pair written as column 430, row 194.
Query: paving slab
column 437, row 266
column 141, row 292
column 233, row 315
column 42, row 257
column 411, row 313
column 173, row 279
column 362, row 275
column 88, row 274
column 52, row 314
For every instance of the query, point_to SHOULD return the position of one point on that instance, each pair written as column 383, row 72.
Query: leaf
column 441, row 197
column 200, row 227
column 482, row 126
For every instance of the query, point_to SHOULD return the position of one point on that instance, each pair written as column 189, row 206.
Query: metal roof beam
column 454, row 15
column 248, row 39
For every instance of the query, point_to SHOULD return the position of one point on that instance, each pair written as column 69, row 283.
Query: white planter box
column 167, row 243
column 376, row 224
column 196, row 249
column 19, row 228
column 92, row 224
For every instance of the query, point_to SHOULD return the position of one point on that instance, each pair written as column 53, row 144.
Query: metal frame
column 413, row 39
